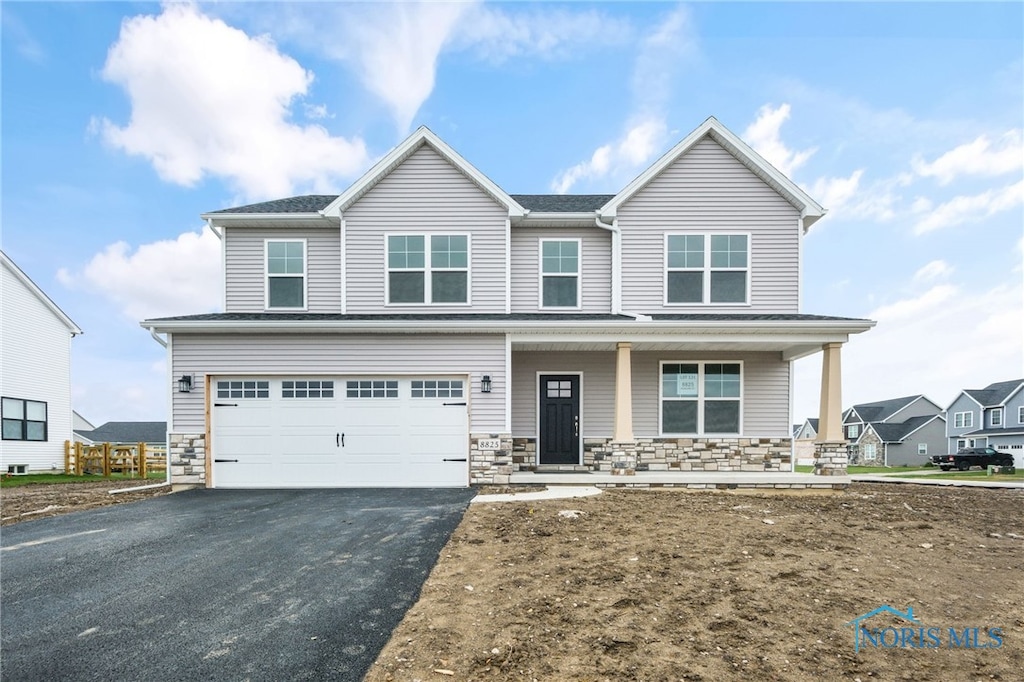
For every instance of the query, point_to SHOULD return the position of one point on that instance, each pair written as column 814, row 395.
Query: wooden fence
column 131, row 459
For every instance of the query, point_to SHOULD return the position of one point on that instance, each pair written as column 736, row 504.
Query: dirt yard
column 36, row 501
column 675, row 585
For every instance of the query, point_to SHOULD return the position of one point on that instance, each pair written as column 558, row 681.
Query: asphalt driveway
column 218, row 584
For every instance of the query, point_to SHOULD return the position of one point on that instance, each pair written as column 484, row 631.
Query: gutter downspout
column 613, row 227
column 162, row 342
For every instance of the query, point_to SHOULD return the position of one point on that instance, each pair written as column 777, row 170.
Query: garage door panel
column 364, row 433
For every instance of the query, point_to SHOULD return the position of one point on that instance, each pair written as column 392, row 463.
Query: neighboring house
column 153, row 434
column 894, row 432
column 991, row 416
column 35, row 374
column 426, row 328
column 81, row 426
column 804, row 436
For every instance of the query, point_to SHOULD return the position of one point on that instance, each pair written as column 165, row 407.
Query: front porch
column 699, row 480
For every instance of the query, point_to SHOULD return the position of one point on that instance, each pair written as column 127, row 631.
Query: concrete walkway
column 554, row 493
column 927, row 480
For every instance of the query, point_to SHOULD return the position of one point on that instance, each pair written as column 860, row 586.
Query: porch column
column 830, row 456
column 623, row 432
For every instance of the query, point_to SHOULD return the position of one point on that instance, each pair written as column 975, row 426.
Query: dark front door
column 559, row 419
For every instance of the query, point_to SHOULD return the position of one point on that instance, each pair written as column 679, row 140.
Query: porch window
column 24, row 419
column 286, row 274
column 701, row 397
column 707, row 268
column 413, row 277
column 560, row 273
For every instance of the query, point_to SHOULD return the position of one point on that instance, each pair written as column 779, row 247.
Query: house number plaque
column 489, row 443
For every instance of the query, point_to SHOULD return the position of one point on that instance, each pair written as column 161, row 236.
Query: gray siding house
column 426, row 328
column 894, row 432
column 991, row 416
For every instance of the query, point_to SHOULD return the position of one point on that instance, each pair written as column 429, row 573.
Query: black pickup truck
column 965, row 458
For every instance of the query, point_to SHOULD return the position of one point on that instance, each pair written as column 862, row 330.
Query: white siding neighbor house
column 426, row 328
column 35, row 374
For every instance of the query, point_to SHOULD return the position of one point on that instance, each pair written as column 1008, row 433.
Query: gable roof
column 563, row 203
column 895, row 433
column 307, row 203
column 39, row 293
column 810, row 210
column 128, row 432
column 420, row 137
column 995, row 394
column 883, row 409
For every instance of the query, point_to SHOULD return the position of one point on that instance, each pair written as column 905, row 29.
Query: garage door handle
column 225, row 460
column 447, row 459
column 339, row 440
column 225, row 404
column 453, row 403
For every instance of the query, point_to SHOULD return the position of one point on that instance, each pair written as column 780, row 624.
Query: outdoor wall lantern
column 185, row 383
column 485, row 383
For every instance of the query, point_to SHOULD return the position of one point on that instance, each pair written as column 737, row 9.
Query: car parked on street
column 965, row 458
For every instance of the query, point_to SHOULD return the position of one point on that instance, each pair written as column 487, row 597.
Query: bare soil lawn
column 39, row 500
column 676, row 585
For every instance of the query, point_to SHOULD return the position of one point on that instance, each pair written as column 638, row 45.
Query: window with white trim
column 418, row 276
column 1020, row 414
column 376, row 388
column 307, row 389
column 707, row 268
column 560, row 273
column 243, row 389
column 852, row 431
column 867, row 452
column 701, row 397
column 996, row 417
column 922, row 448
column 286, row 274
column 963, row 420
column 961, row 443
column 24, row 419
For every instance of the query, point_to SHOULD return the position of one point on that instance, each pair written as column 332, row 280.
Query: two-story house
column 426, row 328
column 894, row 432
column 991, row 416
column 35, row 374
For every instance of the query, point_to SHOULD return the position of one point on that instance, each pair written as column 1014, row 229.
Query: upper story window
column 286, row 273
column 707, row 268
column 428, row 268
column 853, row 430
column 701, row 397
column 996, row 417
column 963, row 420
column 23, row 419
column 560, row 273
column 1020, row 414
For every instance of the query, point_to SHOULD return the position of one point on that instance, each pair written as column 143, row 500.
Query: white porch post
column 830, row 456
column 623, row 432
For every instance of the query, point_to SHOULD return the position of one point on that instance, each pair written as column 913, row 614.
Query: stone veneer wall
column 488, row 465
column 188, row 459
column 830, row 458
column 671, row 454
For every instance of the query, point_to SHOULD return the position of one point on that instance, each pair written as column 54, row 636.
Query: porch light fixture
column 485, row 383
column 185, row 383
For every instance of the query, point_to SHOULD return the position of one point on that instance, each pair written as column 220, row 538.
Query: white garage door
column 339, row 432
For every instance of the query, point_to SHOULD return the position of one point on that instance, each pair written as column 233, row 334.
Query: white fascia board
column 1010, row 395
column 20, row 275
column 810, row 210
column 561, row 218
column 299, row 219
column 396, row 156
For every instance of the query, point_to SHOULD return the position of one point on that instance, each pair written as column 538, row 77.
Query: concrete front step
column 723, row 480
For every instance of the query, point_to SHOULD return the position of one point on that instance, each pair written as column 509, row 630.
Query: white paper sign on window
column 686, row 384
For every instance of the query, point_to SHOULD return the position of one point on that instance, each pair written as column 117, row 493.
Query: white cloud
column 980, row 157
column 927, row 343
column 637, row 145
column 208, row 99
column 965, row 209
column 763, row 136
column 662, row 52
column 936, row 269
column 172, row 277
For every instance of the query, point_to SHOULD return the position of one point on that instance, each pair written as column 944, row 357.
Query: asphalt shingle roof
column 883, row 409
column 562, row 203
column 307, row 203
column 128, row 432
column 994, row 394
column 894, row 433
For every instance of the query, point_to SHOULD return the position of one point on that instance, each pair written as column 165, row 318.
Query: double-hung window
column 852, row 431
column 286, row 273
column 23, row 419
column 963, row 420
column 704, row 269
column 701, row 397
column 428, row 268
column 996, row 417
column 560, row 273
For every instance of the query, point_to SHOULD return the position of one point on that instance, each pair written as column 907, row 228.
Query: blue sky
column 122, row 122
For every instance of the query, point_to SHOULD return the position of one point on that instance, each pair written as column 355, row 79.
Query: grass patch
column 35, row 479
column 809, row 469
